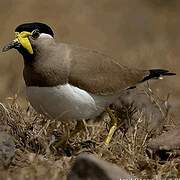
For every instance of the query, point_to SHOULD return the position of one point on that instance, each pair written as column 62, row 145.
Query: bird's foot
column 79, row 126
column 113, row 127
column 68, row 135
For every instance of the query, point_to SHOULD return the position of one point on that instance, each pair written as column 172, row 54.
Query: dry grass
column 35, row 135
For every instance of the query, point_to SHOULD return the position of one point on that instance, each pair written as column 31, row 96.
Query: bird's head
column 27, row 36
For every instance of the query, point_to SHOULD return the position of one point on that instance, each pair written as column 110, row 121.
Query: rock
column 169, row 140
column 7, row 149
column 88, row 167
column 144, row 103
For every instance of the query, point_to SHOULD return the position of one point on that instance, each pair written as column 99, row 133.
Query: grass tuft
column 34, row 136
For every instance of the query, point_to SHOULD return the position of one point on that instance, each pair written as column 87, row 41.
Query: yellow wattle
column 23, row 39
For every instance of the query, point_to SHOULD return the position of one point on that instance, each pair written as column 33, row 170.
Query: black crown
column 29, row 27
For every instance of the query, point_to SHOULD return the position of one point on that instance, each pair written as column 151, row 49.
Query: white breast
column 67, row 102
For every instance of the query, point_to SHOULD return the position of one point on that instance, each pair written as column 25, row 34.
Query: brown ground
column 140, row 33
column 37, row 157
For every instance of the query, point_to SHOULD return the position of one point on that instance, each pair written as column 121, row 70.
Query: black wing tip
column 161, row 72
column 170, row 74
column 156, row 73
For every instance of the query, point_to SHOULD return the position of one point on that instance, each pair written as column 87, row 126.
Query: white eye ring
column 35, row 34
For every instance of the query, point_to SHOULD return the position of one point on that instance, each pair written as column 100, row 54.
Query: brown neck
column 46, row 68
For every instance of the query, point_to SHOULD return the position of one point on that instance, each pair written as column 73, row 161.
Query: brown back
column 101, row 74
column 87, row 69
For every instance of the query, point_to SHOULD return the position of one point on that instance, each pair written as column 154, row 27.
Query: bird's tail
column 154, row 74
column 157, row 74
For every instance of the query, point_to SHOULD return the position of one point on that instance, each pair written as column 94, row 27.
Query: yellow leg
column 113, row 127
column 79, row 126
column 61, row 142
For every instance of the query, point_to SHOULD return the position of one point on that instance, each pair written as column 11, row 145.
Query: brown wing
column 100, row 74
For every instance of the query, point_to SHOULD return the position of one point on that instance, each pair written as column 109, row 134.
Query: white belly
column 67, row 102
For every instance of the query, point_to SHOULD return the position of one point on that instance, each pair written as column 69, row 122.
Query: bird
column 68, row 82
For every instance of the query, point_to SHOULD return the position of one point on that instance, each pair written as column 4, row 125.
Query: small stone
column 7, row 149
column 169, row 140
column 151, row 112
column 165, row 144
column 88, row 167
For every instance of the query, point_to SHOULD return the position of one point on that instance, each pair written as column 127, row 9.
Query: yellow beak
column 22, row 38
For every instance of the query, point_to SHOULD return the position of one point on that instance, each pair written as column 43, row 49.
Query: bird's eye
column 35, row 34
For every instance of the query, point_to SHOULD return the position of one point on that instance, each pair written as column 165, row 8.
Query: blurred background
column 140, row 33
